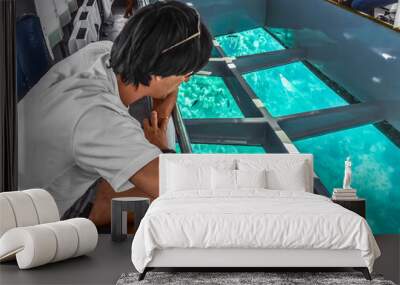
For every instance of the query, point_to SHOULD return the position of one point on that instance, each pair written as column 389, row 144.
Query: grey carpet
column 242, row 278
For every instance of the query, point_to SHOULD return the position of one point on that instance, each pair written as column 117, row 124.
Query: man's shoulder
column 88, row 55
column 84, row 57
column 81, row 69
column 101, row 46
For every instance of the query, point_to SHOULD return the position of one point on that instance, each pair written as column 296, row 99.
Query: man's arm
column 146, row 179
column 146, row 185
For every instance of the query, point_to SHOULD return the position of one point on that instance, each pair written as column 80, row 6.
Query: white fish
column 286, row 83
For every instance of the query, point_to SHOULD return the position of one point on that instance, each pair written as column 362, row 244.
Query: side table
column 357, row 205
column 119, row 212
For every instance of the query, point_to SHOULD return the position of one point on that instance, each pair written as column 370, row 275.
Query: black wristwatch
column 168, row 150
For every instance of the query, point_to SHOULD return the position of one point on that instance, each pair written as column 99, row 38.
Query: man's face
column 162, row 86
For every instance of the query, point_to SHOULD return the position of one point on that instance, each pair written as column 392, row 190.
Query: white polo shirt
column 73, row 129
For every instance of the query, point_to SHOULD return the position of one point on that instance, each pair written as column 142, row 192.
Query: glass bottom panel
column 375, row 171
column 207, row 97
column 216, row 148
column 291, row 89
column 249, row 42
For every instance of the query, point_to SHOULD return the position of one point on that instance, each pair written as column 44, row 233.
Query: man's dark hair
column 137, row 52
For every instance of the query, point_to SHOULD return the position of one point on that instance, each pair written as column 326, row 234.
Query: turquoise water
column 249, row 42
column 216, row 148
column 291, row 89
column 207, row 97
column 284, row 35
column 285, row 90
column 376, row 170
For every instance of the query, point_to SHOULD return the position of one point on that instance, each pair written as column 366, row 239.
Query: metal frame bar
column 250, row 63
column 308, row 124
column 183, row 138
column 217, row 68
column 245, row 95
column 246, row 131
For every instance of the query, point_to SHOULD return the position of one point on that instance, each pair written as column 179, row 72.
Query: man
column 74, row 125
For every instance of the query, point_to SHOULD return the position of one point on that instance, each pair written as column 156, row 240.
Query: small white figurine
column 347, row 174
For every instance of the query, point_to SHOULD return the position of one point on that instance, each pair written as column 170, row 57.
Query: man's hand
column 156, row 131
column 164, row 107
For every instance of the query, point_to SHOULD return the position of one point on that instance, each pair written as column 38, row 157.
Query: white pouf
column 46, row 207
column 32, row 246
column 27, row 208
column 87, row 234
column 23, row 208
column 32, row 233
column 7, row 220
column 40, row 244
